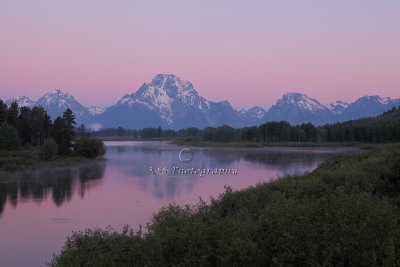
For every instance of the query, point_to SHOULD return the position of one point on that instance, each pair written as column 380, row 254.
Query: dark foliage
column 89, row 147
column 345, row 213
column 49, row 149
column 33, row 128
column 8, row 137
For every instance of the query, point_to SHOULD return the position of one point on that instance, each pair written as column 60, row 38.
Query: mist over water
column 38, row 209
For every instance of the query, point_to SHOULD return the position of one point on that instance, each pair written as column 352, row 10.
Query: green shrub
column 345, row 213
column 89, row 147
column 335, row 230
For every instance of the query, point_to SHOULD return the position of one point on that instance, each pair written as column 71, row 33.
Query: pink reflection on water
column 125, row 193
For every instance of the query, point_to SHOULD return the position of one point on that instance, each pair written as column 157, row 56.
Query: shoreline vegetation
column 27, row 159
column 247, row 144
column 29, row 139
column 344, row 213
column 365, row 132
column 363, row 146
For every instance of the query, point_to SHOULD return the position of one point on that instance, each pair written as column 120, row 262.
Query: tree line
column 33, row 127
column 382, row 129
column 145, row 133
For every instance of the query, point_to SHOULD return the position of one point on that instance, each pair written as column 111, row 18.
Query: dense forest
column 29, row 136
column 345, row 213
column 382, row 129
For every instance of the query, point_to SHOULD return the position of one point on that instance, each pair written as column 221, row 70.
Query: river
column 39, row 209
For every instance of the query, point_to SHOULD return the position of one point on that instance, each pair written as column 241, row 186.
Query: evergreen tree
column 24, row 125
column 120, row 131
column 3, row 112
column 159, row 131
column 58, row 134
column 49, row 149
column 63, row 132
column 82, row 131
column 12, row 114
column 37, row 121
column 69, row 132
column 46, row 128
column 9, row 139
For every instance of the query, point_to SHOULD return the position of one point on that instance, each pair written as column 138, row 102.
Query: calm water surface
column 38, row 209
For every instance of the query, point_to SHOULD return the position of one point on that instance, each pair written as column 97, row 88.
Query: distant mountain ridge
column 253, row 116
column 171, row 102
column 22, row 101
column 55, row 103
column 297, row 108
column 368, row 106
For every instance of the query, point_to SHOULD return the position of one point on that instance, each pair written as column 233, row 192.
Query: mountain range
column 170, row 102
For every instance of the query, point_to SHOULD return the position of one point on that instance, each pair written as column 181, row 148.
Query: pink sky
column 247, row 52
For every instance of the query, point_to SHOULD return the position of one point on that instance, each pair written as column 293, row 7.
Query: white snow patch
column 384, row 101
column 95, row 110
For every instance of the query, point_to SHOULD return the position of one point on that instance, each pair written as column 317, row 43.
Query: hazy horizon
column 249, row 53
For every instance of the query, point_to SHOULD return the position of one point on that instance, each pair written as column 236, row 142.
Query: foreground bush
column 89, row 147
column 343, row 214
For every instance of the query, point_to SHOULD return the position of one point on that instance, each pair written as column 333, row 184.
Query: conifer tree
column 3, row 112
column 12, row 114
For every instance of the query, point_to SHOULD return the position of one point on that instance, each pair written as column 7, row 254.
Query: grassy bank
column 345, row 213
column 30, row 158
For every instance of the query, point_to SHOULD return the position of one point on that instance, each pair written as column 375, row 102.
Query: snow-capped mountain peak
column 297, row 108
column 22, row 101
column 367, row 106
column 172, row 87
column 96, row 110
column 252, row 116
column 255, row 112
column 164, row 94
column 300, row 101
column 56, row 97
column 373, row 100
column 57, row 101
column 338, row 103
column 173, row 83
column 337, row 107
column 258, row 112
column 170, row 102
